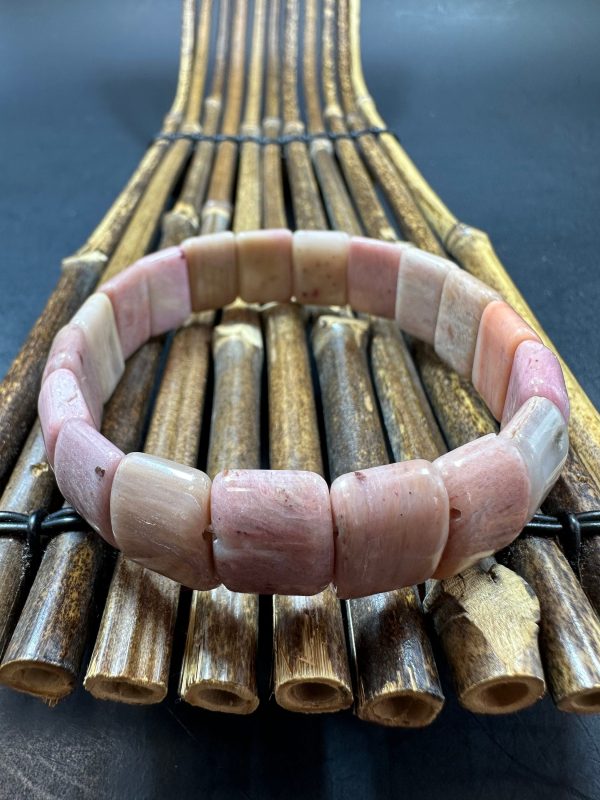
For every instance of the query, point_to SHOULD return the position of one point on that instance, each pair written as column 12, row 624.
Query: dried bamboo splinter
column 487, row 617
column 132, row 654
column 569, row 628
column 219, row 664
column 311, row 672
column 397, row 679
column 45, row 652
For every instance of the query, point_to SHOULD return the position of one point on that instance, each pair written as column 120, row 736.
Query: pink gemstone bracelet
column 284, row 531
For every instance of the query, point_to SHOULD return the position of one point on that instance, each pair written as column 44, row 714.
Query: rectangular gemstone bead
column 168, row 288
column 273, row 531
column 373, row 275
column 160, row 511
column 535, row 372
column 265, row 265
column 320, row 265
column 60, row 399
column 130, row 298
column 97, row 321
column 212, row 270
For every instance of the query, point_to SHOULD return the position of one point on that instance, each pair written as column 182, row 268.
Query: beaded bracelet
column 286, row 531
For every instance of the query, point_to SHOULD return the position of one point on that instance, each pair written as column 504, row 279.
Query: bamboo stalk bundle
column 45, row 652
column 132, row 654
column 396, row 677
column 487, row 617
column 569, row 627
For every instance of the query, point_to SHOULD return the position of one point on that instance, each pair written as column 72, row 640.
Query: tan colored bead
column 265, row 265
column 320, row 265
column 212, row 270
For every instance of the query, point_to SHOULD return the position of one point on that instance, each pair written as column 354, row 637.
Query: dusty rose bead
column 488, row 485
column 168, row 287
column 373, row 275
column 212, row 270
column 501, row 331
column 160, row 511
column 273, row 531
column 420, row 283
column 462, row 303
column 60, row 399
column 130, row 298
column 265, row 265
column 391, row 524
column 84, row 465
column 320, row 265
column 536, row 372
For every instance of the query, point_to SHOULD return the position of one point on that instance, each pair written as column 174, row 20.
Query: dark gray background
column 498, row 102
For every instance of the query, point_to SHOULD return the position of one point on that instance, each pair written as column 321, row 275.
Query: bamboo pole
column 569, row 627
column 131, row 657
column 45, row 652
column 487, row 617
column 396, row 676
column 273, row 201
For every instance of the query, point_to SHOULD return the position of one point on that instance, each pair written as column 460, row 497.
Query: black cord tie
column 287, row 138
column 40, row 525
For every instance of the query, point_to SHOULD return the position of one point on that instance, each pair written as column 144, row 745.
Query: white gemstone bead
column 97, row 321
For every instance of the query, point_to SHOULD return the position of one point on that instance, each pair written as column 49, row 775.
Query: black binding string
column 286, row 138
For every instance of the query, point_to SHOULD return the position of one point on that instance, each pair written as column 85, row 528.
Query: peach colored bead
column 212, row 270
column 535, row 372
column 488, row 485
column 168, row 288
column 501, row 331
column 130, row 298
column 159, row 512
column 265, row 265
column 71, row 351
column 96, row 320
column 373, row 275
column 84, row 465
column 320, row 264
column 462, row 303
column 60, row 399
column 391, row 524
column 273, row 531
column 420, row 283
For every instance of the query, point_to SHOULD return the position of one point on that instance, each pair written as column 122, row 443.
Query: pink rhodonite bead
column 60, row 399
column 212, row 270
column 501, row 331
column 373, row 275
column 320, row 264
column 273, row 531
column 84, row 465
column 265, row 265
column 489, row 489
column 535, row 372
column 160, row 511
column 462, row 304
column 420, row 285
column 168, row 287
column 391, row 524
column 130, row 298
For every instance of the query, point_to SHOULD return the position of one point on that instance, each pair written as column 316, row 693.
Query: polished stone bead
column 60, row 399
column 501, row 331
column 540, row 433
column 130, row 298
column 391, row 526
column 373, row 275
column 169, row 289
column 84, row 465
column 265, row 265
column 420, row 283
column 212, row 270
column 320, row 265
column 489, row 489
column 273, row 531
column 536, row 372
column 160, row 512
column 462, row 304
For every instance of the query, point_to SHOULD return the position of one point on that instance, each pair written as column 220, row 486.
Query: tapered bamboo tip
column 125, row 690
column 47, row 681
column 230, row 698
column 313, row 695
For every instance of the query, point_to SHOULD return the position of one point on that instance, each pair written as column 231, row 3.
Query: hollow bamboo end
column 402, row 709
column 503, row 695
column 125, row 690
column 228, row 698
column 313, row 695
column 49, row 682
column 586, row 701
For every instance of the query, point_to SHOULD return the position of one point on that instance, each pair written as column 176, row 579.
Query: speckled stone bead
column 391, row 526
column 212, row 270
column 320, row 266
column 535, row 372
column 501, row 331
column 265, row 265
column 60, row 399
column 420, row 283
column 273, row 531
column 373, row 275
column 160, row 511
column 488, row 485
column 130, row 298
column 84, row 465
column 169, row 289
column 539, row 432
column 462, row 304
